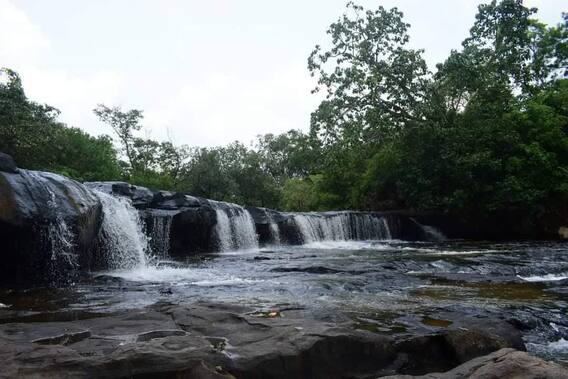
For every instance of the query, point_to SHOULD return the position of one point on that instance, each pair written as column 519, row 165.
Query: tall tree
column 124, row 123
column 372, row 80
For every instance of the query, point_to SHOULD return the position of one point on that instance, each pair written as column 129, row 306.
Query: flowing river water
column 385, row 286
column 349, row 269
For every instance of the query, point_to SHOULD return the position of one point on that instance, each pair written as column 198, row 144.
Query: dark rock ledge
column 208, row 340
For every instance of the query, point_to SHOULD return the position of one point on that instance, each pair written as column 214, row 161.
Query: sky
column 205, row 73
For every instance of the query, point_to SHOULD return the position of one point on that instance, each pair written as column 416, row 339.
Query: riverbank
column 213, row 340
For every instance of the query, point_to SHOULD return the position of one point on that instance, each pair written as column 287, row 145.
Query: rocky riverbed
column 325, row 310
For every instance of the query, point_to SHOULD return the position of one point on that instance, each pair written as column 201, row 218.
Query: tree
column 299, row 195
column 84, row 157
column 288, row 155
column 204, row 175
column 31, row 134
column 172, row 159
column 124, row 123
column 373, row 83
column 26, row 127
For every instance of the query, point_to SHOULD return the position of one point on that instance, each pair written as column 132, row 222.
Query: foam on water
column 347, row 245
column 560, row 345
column 550, row 350
column 438, row 252
column 180, row 276
column 545, row 278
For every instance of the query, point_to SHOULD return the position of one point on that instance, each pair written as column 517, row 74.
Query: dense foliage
column 486, row 133
column 31, row 133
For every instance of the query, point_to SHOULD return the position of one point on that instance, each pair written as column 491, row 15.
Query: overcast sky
column 204, row 72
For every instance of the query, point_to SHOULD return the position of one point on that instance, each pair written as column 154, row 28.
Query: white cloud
column 20, row 39
column 23, row 47
column 75, row 96
column 221, row 108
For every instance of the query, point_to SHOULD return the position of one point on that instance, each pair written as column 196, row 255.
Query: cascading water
column 223, row 230
column 122, row 233
column 159, row 234
column 60, row 237
column 341, row 227
column 431, row 233
column 274, row 229
column 57, row 233
column 235, row 227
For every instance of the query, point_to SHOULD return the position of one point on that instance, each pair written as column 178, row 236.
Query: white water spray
column 235, row 227
column 223, row 230
column 341, row 227
column 274, row 230
column 122, row 233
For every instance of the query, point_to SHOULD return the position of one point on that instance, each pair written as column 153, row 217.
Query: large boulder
column 7, row 164
column 174, row 200
column 141, row 196
column 183, row 232
column 504, row 363
column 48, row 226
column 266, row 220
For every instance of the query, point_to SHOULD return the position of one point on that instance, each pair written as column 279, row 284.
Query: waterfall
column 385, row 228
column 341, row 227
column 57, row 234
column 274, row 231
column 122, row 234
column 433, row 234
column 235, row 227
column 272, row 227
column 223, row 230
column 60, row 237
column 430, row 232
column 159, row 234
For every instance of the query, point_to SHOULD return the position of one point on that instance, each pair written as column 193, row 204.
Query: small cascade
column 235, row 227
column 122, row 233
column 58, row 236
column 341, row 227
column 385, row 228
column 430, row 232
column 159, row 234
column 61, row 238
column 273, row 227
column 223, row 230
column 433, row 234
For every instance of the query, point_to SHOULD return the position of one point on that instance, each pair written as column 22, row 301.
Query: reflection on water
column 382, row 286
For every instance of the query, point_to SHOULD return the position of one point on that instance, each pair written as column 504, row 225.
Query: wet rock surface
column 504, row 363
column 48, row 228
column 7, row 164
column 167, row 340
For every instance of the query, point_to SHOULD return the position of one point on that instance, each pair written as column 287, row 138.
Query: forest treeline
column 485, row 132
